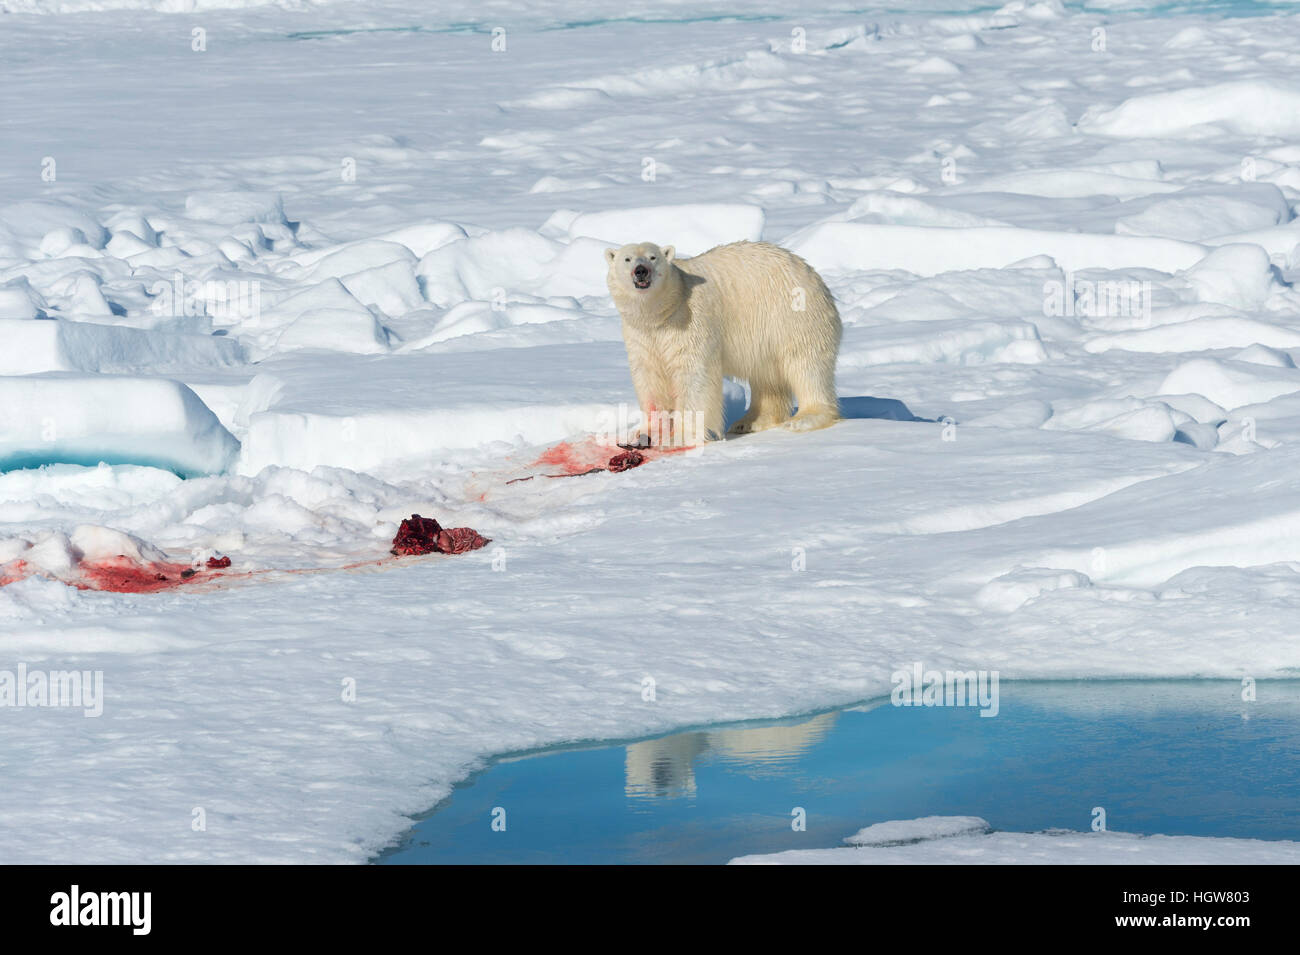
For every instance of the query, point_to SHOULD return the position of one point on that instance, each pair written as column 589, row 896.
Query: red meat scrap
column 417, row 535
column 626, row 461
column 218, row 563
column 457, row 540
column 423, row 535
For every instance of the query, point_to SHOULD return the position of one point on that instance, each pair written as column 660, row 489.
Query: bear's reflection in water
column 665, row 768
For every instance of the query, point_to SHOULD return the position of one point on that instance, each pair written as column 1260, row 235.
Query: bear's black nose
column 641, row 272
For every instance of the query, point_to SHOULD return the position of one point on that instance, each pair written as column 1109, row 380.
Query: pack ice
column 269, row 299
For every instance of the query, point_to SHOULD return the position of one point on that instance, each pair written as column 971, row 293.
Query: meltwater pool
column 1180, row 758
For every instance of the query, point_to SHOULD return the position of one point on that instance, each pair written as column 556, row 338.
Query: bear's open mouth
column 641, row 279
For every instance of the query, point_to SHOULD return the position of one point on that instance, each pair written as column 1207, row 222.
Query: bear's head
column 638, row 268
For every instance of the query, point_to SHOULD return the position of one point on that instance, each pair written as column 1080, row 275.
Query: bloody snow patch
column 122, row 575
column 423, row 535
column 14, row 571
column 590, row 456
column 571, row 458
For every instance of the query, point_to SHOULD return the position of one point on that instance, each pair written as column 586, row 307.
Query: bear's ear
column 669, row 253
column 609, row 254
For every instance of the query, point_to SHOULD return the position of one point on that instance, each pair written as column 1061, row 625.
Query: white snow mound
column 119, row 420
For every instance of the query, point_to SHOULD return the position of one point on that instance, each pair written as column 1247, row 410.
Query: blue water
column 55, row 456
column 1188, row 758
column 1224, row 8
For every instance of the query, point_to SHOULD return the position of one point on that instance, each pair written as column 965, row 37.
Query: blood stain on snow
column 591, row 457
column 574, row 459
column 122, row 575
column 415, row 536
column 13, row 572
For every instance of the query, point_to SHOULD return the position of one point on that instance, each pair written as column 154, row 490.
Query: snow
column 1012, row 591
column 1231, row 384
column 692, row 229
column 28, row 222
column 230, row 208
column 1249, row 107
column 902, row 831
column 18, row 300
column 966, row 840
column 64, row 345
column 1212, row 333
column 355, row 331
column 1201, row 217
column 1239, row 275
column 850, row 246
column 269, row 306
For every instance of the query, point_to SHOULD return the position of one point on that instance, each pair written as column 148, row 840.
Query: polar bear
column 749, row 310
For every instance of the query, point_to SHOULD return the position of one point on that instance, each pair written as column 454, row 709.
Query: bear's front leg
column 652, row 395
column 645, row 434
column 657, row 419
column 703, row 411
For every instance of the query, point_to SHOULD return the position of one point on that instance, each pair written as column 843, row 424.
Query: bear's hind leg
column 814, row 390
column 769, row 406
column 814, row 419
column 745, row 423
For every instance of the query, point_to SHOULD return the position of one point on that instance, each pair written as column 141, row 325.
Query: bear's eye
column 627, row 260
column 652, row 258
